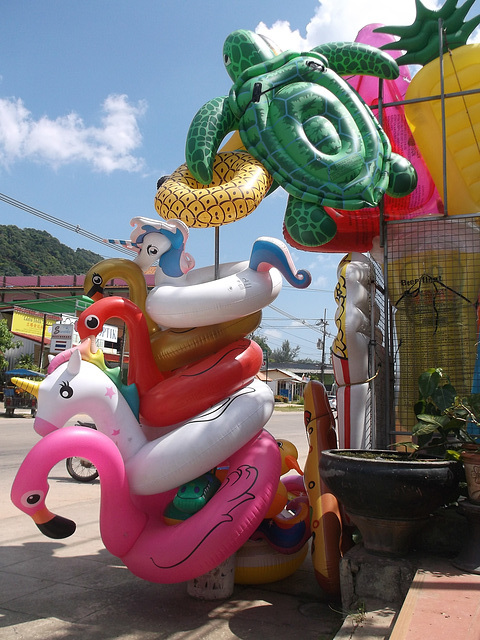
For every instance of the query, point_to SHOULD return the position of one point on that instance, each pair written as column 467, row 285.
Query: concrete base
column 217, row 584
column 370, row 582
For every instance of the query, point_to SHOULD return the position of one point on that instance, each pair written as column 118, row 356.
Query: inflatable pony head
column 162, row 240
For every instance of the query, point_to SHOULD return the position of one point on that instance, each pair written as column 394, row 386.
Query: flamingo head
column 98, row 276
column 29, row 492
column 92, row 320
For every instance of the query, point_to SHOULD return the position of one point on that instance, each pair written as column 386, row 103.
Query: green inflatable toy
column 307, row 126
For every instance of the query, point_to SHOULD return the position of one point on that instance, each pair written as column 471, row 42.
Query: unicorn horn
column 27, row 385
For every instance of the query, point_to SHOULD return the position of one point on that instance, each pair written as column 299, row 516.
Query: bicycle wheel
column 81, row 469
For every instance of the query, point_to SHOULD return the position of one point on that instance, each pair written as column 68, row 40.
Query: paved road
column 17, row 437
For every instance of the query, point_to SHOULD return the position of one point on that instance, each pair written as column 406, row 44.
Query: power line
column 303, row 322
column 308, row 289
column 61, row 223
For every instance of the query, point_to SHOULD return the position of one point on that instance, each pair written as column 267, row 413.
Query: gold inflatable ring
column 239, row 185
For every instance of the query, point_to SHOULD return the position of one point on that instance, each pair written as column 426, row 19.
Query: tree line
column 30, row 252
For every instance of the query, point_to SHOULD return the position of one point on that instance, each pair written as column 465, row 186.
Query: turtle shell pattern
column 305, row 124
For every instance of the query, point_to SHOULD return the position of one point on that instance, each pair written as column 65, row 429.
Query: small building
column 283, row 383
column 288, row 379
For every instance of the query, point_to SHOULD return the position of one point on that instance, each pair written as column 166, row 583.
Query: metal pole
column 372, row 363
column 387, row 416
column 42, row 343
column 323, row 344
column 444, row 124
column 122, row 351
column 217, row 252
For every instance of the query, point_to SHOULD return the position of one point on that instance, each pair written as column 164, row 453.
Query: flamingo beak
column 292, row 463
column 95, row 292
column 53, row 526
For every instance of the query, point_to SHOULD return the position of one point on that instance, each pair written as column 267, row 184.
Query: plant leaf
column 423, row 429
column 444, row 397
column 439, row 422
column 428, row 382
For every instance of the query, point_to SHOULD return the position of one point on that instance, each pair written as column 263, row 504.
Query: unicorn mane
column 175, row 261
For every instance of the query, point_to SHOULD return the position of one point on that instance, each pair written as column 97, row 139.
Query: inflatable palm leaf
column 420, row 40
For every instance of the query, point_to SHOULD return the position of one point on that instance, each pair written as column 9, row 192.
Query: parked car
column 15, row 398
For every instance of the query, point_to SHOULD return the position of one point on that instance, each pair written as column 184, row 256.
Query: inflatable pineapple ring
column 305, row 124
column 237, row 186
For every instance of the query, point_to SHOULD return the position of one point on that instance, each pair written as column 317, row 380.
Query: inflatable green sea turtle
column 307, row 126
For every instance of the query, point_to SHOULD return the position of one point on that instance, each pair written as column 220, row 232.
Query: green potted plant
column 447, row 424
column 390, row 495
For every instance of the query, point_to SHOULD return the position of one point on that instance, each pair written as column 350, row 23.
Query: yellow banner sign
column 32, row 323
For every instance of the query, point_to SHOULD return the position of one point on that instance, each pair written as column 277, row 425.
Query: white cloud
column 338, row 20
column 67, row 139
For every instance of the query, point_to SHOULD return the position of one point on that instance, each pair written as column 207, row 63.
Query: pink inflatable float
column 132, row 527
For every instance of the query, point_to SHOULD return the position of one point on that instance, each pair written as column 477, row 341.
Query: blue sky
column 96, row 99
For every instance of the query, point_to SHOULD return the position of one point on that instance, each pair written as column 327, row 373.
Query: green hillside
column 30, row 252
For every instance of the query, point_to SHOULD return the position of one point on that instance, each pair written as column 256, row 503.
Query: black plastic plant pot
column 389, row 495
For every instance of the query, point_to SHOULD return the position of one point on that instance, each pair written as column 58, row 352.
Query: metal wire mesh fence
column 433, row 283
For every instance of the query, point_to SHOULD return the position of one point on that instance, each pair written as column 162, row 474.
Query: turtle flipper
column 403, row 177
column 359, row 59
column 308, row 223
column 209, row 126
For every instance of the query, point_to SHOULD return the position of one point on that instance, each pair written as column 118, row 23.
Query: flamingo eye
column 92, row 322
column 32, row 498
column 66, row 390
column 97, row 279
column 152, row 250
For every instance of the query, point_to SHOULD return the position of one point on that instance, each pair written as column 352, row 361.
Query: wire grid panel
column 433, row 285
column 377, row 419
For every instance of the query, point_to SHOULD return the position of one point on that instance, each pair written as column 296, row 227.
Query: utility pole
column 321, row 343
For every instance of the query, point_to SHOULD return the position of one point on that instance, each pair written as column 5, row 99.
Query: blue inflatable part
column 274, row 253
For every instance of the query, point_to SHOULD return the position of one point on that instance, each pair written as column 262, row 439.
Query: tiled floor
column 443, row 604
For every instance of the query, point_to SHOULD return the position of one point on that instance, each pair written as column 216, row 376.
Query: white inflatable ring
column 199, row 300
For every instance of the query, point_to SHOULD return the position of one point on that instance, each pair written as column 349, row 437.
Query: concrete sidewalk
column 75, row 589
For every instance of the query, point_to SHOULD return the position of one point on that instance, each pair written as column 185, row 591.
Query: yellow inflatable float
column 239, row 185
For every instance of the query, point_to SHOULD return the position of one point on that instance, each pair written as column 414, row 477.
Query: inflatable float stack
column 188, row 424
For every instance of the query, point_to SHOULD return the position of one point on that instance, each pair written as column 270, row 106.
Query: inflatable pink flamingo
column 132, row 527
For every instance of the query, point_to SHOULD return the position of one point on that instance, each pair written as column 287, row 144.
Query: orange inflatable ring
column 240, row 182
